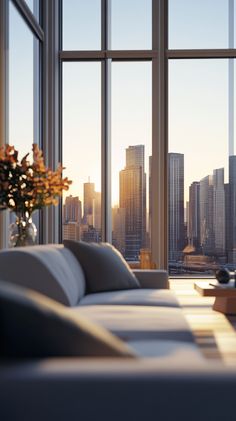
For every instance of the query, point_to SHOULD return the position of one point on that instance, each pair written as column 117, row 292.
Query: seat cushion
column 34, row 326
column 175, row 351
column 142, row 297
column 139, row 322
column 49, row 269
column 104, row 267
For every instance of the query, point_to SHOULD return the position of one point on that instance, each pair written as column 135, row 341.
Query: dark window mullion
column 29, row 18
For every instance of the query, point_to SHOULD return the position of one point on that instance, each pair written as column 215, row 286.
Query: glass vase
column 23, row 231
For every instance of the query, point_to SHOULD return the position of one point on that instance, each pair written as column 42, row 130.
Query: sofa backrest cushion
column 34, row 326
column 49, row 269
column 104, row 267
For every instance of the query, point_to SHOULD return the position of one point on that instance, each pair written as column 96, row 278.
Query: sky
column 20, row 83
column 198, row 89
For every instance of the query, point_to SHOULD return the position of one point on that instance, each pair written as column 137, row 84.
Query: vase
column 23, row 231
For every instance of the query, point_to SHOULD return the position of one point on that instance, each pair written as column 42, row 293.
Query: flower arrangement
column 27, row 186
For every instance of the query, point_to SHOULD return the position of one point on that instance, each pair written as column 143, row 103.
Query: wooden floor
column 214, row 332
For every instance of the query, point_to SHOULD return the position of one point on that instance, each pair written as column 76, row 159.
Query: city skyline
column 203, row 224
column 79, row 186
column 129, row 231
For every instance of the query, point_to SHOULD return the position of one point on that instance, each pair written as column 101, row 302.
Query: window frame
column 160, row 55
column 159, row 130
column 53, row 57
column 37, row 32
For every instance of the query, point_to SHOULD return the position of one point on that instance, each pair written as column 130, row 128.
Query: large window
column 107, row 123
column 131, row 156
column 198, row 164
column 23, row 84
column 140, row 108
column 201, row 158
column 20, row 82
column 167, row 173
column 82, row 150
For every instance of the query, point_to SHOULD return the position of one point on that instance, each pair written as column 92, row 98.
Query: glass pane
column 131, row 154
column 23, row 84
column 34, row 7
column 202, row 166
column 131, row 24
column 81, row 24
column 24, row 116
column 201, row 24
column 82, row 150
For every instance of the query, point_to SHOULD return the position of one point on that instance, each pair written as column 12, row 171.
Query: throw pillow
column 34, row 326
column 104, row 267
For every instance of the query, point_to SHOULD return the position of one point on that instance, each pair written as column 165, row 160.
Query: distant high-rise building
column 231, row 209
column 71, row 231
column 186, row 219
column 230, row 189
column 150, row 200
column 135, row 156
column 194, row 216
column 118, row 228
column 90, row 234
column 89, row 196
column 227, row 221
column 206, row 215
column 133, row 200
column 219, row 211
column 91, row 221
column 97, row 217
column 72, row 210
column 176, row 205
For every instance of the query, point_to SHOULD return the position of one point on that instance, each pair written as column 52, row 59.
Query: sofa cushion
column 104, row 267
column 141, row 297
column 34, row 326
column 152, row 278
column 176, row 351
column 49, row 269
column 139, row 322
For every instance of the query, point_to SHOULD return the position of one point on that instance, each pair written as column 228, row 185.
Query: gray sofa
column 169, row 380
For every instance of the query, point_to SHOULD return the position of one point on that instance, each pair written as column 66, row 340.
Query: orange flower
column 25, row 186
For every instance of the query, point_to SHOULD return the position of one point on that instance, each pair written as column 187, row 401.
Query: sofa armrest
column 156, row 279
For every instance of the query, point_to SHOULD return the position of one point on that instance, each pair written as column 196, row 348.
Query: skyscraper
column 71, row 231
column 150, row 202
column 72, row 209
column 231, row 209
column 133, row 200
column 135, row 156
column 176, row 205
column 118, row 228
column 230, row 189
column 219, row 211
column 89, row 196
column 71, row 218
column 194, row 216
column 91, row 222
column 227, row 222
column 206, row 215
column 97, row 218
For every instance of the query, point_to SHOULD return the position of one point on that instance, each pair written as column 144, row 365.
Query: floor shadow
column 232, row 320
column 207, row 344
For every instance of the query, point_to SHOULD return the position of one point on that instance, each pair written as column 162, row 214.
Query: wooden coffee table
column 225, row 295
